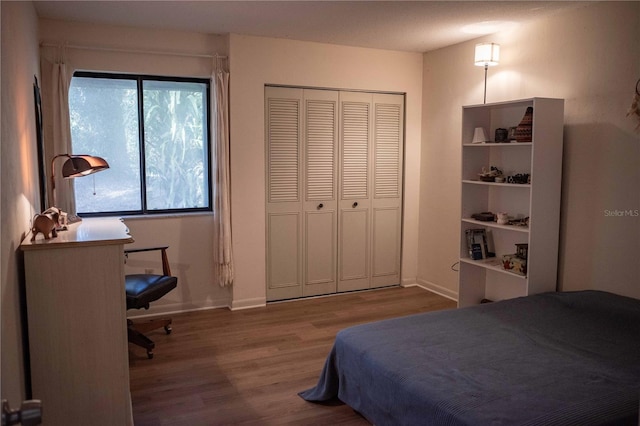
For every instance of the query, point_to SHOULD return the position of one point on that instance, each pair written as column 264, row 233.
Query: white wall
column 190, row 237
column 589, row 57
column 20, row 186
column 258, row 61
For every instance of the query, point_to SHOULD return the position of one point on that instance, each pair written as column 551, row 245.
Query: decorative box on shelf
column 513, row 263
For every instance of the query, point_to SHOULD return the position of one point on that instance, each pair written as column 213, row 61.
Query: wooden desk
column 77, row 324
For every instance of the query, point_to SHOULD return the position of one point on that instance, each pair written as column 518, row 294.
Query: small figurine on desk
column 46, row 223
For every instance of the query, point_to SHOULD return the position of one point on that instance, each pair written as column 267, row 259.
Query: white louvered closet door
column 386, row 210
column 334, row 190
column 283, row 133
column 354, row 208
column 320, row 182
column 370, row 206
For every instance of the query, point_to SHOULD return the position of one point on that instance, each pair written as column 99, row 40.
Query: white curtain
column 221, row 205
column 56, row 78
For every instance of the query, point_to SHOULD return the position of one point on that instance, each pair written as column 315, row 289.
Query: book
column 478, row 244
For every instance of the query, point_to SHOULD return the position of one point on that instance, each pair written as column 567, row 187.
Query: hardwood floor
column 220, row 367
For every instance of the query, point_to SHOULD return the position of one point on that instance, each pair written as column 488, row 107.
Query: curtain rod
column 152, row 52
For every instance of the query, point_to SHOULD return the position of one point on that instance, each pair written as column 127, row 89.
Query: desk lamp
column 76, row 166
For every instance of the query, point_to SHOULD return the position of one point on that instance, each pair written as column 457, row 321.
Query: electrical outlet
column 148, row 271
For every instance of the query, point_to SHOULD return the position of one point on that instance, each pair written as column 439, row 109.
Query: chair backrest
column 166, row 270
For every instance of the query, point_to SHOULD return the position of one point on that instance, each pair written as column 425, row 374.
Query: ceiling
column 415, row 26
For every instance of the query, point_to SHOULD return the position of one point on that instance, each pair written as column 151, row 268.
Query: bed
column 568, row 358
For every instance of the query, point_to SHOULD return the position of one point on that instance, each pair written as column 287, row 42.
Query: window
column 153, row 132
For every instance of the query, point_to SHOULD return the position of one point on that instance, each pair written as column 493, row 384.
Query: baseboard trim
column 256, row 302
column 409, row 282
column 434, row 288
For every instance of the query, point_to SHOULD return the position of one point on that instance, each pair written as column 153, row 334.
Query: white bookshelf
column 539, row 200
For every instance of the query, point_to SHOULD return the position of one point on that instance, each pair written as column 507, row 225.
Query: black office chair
column 143, row 289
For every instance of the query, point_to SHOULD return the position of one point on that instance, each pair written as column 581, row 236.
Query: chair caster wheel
column 150, row 354
column 167, row 329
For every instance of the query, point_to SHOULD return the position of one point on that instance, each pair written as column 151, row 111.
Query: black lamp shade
column 82, row 165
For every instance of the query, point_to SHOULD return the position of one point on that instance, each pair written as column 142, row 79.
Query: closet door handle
column 320, row 206
column 355, row 204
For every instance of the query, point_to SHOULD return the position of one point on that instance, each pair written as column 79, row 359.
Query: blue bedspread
column 550, row 359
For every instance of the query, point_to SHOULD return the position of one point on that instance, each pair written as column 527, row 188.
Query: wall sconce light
column 76, row 166
column 487, row 55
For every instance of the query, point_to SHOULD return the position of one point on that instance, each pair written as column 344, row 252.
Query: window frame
column 140, row 79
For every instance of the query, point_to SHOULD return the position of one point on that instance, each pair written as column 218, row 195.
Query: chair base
column 135, row 332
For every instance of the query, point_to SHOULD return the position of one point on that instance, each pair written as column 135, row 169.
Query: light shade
column 75, row 166
column 487, row 54
column 83, row 165
column 479, row 135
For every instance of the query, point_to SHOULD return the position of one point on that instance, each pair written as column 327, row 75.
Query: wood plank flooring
column 246, row 367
